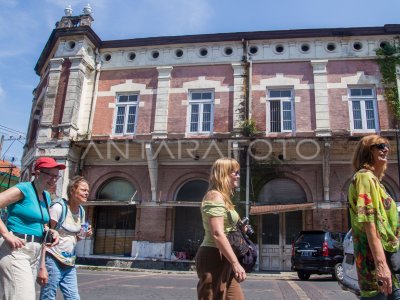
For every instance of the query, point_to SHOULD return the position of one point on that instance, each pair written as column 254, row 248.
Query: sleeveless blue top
column 24, row 216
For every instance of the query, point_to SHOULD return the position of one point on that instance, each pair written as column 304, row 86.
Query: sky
column 25, row 26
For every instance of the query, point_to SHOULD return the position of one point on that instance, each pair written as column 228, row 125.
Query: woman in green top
column 217, row 266
column 374, row 220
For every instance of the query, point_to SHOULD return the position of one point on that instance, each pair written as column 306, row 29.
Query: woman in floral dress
column 374, row 219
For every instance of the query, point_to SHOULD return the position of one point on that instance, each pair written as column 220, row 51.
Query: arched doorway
column 115, row 218
column 279, row 229
column 188, row 227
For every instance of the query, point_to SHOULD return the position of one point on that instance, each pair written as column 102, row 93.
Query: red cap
column 47, row 163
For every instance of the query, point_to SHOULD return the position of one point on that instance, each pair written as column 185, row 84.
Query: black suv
column 317, row 252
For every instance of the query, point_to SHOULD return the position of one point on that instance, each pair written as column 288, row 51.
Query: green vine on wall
column 248, row 127
column 388, row 58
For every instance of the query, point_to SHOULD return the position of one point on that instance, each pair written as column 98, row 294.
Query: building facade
column 144, row 119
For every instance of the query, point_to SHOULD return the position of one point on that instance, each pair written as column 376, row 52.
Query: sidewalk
column 106, row 263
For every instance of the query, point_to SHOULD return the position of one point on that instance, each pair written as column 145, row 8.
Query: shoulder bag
column 242, row 246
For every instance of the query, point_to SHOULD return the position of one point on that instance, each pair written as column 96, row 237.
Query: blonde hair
column 220, row 178
column 363, row 158
column 74, row 183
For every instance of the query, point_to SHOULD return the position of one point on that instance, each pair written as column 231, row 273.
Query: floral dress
column 370, row 203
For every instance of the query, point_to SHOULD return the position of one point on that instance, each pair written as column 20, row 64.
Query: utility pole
column 1, row 143
column 9, row 177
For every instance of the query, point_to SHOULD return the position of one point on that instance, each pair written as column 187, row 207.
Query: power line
column 11, row 130
column 11, row 137
column 8, row 148
column 12, row 134
column 15, row 139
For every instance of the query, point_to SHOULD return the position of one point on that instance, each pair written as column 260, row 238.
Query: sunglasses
column 52, row 176
column 381, row 146
column 237, row 173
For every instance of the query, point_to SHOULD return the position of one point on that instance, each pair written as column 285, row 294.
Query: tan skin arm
column 216, row 225
column 382, row 269
column 8, row 197
column 43, row 276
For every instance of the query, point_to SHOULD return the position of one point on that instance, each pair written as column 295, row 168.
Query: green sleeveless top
column 215, row 209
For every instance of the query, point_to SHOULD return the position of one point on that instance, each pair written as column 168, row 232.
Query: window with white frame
column 201, row 107
column 363, row 109
column 126, row 114
column 281, row 106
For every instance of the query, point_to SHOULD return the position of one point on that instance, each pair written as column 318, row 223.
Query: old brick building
column 143, row 120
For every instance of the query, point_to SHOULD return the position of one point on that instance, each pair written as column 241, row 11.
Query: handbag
column 242, row 246
column 393, row 261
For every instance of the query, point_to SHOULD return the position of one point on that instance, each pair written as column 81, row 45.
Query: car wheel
column 338, row 275
column 303, row 275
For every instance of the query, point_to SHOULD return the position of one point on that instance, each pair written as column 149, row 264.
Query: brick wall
column 223, row 112
column 304, row 110
column 339, row 109
column 104, row 111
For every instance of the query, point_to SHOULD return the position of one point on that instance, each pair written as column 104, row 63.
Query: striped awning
column 272, row 209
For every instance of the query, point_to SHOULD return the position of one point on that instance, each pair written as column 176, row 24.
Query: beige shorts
column 18, row 271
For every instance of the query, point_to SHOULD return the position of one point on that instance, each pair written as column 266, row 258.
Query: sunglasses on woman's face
column 381, row 146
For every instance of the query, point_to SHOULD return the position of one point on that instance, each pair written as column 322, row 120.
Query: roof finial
column 87, row 10
column 68, row 11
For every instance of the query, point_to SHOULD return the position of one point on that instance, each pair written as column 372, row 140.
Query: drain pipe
column 247, row 182
column 249, row 80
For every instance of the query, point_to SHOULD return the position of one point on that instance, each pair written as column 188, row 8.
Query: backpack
column 64, row 210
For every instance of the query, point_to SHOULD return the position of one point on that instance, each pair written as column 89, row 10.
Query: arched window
column 192, row 191
column 115, row 218
column 282, row 191
column 117, row 190
column 188, row 228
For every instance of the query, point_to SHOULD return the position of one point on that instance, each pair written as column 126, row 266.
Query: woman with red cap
column 26, row 229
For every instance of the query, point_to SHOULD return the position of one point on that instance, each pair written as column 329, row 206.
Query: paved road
column 118, row 285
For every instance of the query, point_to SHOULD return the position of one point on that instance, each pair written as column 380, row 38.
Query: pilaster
column 78, row 70
column 321, row 97
column 153, row 170
column 326, row 170
column 161, row 115
column 238, row 93
column 44, row 131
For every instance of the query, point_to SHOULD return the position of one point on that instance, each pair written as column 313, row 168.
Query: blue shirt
column 24, row 216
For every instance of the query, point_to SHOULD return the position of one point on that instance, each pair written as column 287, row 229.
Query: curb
column 286, row 275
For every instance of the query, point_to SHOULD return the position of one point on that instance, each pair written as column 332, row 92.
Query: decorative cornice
column 390, row 29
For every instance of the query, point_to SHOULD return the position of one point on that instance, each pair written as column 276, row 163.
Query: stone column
column 321, row 98
column 153, row 170
column 326, row 170
column 239, row 94
column 161, row 115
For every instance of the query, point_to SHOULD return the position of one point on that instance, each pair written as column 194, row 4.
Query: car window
column 336, row 237
column 311, row 238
